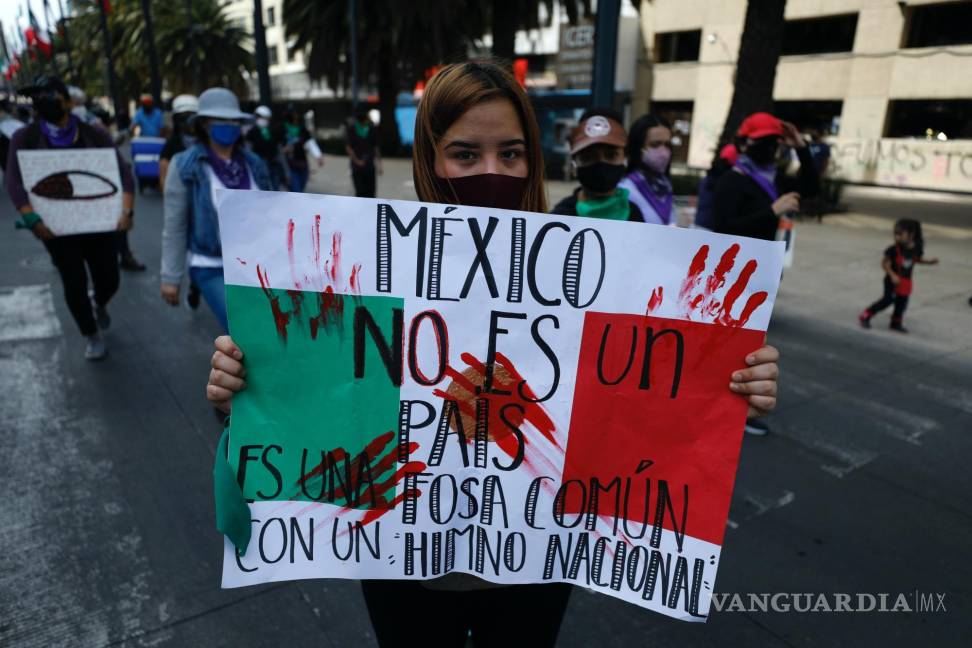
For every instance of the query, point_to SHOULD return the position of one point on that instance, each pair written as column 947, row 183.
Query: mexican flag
column 521, row 397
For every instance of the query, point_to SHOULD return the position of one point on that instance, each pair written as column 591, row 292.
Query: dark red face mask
column 484, row 190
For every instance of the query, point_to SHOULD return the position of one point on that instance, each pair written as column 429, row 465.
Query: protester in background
column 649, row 150
column 296, row 137
column 184, row 107
column 217, row 159
column 704, row 210
column 362, row 149
column 597, row 153
column 819, row 151
column 750, row 200
column 267, row 143
column 747, row 198
column 79, row 105
column 8, row 126
column 898, row 265
column 148, row 120
column 477, row 143
column 77, row 255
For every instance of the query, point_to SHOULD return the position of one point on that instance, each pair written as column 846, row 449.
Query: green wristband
column 28, row 220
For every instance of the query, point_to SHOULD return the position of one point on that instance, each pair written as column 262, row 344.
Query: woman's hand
column 227, row 374
column 758, row 381
column 170, row 293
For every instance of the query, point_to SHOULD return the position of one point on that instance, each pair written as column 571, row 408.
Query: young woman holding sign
column 476, row 143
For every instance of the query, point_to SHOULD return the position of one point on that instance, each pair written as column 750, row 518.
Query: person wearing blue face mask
column 217, row 159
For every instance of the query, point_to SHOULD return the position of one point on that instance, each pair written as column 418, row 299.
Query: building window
column 806, row 115
column 272, row 55
column 677, row 46
column 937, row 25
column 819, row 35
column 270, row 17
column 291, row 53
column 943, row 119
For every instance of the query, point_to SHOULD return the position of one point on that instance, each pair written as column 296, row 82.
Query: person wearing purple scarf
column 218, row 160
column 649, row 152
column 76, row 256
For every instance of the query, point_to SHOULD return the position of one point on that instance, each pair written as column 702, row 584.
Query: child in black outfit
column 898, row 264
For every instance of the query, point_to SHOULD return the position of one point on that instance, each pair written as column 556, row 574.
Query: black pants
column 890, row 297
column 124, row 251
column 406, row 614
column 70, row 254
column 364, row 181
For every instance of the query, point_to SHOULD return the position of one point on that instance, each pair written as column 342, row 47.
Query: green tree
column 396, row 43
column 198, row 48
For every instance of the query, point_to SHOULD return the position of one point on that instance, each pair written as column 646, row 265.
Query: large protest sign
column 74, row 190
column 523, row 397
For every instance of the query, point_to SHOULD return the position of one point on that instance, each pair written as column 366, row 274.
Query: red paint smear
column 290, row 252
column 280, row 318
column 735, row 291
column 330, row 312
column 296, row 301
column 335, row 256
column 718, row 278
column 355, row 278
column 471, row 380
column 242, row 262
column 655, row 300
column 316, row 240
column 695, row 269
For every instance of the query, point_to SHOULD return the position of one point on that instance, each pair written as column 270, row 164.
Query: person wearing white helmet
column 267, row 141
column 183, row 108
column 217, row 159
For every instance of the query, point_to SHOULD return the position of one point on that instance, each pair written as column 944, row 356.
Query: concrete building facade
column 889, row 80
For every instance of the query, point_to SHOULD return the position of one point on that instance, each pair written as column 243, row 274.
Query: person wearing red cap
column 597, row 153
column 750, row 200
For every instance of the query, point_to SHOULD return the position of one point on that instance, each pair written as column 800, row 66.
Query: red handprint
column 697, row 295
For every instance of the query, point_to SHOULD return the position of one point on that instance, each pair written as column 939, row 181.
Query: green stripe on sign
column 301, row 393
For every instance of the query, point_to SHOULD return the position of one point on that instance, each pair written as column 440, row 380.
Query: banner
column 74, row 190
column 525, row 398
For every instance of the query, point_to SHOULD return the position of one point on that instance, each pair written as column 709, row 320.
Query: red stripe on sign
column 654, row 393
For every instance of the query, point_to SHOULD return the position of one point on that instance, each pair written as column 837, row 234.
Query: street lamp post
column 152, row 54
column 605, row 53
column 353, row 29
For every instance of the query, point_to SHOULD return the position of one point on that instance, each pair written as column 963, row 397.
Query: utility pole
column 353, row 28
column 262, row 64
column 109, row 61
column 67, row 44
column 605, row 53
column 153, row 56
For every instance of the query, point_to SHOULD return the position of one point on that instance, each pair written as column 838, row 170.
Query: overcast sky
column 9, row 9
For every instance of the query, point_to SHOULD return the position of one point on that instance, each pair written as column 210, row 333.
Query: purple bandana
column 761, row 177
column 60, row 137
column 232, row 173
column 658, row 193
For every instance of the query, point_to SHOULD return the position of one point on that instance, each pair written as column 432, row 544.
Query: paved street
column 106, row 521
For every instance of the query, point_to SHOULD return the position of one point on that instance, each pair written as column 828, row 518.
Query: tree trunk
column 759, row 52
column 503, row 27
column 387, row 100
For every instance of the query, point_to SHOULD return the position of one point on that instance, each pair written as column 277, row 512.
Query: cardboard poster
column 75, row 191
column 526, row 398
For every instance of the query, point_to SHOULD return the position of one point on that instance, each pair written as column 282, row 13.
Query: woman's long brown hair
column 449, row 94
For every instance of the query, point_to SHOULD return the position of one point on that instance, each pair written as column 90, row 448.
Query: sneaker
column 757, row 427
column 898, row 326
column 101, row 316
column 95, row 349
column 130, row 263
column 865, row 320
column 192, row 296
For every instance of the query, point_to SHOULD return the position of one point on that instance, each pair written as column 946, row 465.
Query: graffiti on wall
column 912, row 163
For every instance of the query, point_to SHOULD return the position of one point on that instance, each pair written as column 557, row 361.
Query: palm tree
column 198, row 50
column 395, row 42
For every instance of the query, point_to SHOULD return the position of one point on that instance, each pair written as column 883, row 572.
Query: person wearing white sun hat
column 217, row 159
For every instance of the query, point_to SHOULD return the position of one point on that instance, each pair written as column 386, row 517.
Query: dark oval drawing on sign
column 57, row 186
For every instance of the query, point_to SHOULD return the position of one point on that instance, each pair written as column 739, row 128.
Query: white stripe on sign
column 27, row 313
